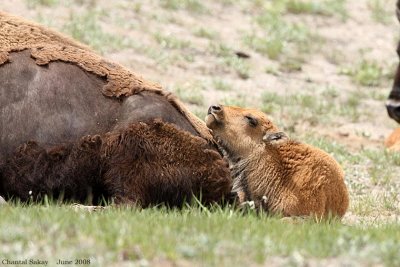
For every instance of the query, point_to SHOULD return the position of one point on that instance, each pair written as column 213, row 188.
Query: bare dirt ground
column 330, row 78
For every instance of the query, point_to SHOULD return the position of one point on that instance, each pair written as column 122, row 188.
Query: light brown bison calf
column 280, row 175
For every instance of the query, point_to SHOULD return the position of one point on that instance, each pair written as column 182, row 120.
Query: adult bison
column 393, row 102
column 56, row 94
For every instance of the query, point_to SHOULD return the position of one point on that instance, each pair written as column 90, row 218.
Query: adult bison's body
column 54, row 91
column 60, row 103
column 142, row 164
column 393, row 102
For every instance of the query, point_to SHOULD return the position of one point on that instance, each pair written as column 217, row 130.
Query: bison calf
column 142, row 164
column 280, row 175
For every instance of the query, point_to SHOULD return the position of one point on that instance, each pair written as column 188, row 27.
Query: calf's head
column 238, row 131
column 393, row 102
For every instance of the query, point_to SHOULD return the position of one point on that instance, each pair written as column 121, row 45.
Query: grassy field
column 321, row 69
column 192, row 236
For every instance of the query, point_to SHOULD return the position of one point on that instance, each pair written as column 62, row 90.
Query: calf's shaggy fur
column 142, row 164
column 280, row 175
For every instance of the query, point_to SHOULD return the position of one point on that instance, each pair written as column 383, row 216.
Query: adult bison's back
column 54, row 90
column 71, row 126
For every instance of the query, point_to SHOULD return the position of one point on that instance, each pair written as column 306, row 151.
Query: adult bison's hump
column 54, row 103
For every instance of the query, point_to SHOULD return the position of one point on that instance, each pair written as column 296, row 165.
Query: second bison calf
column 280, row 175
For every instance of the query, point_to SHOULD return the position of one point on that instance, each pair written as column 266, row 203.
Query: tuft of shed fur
column 46, row 46
column 142, row 164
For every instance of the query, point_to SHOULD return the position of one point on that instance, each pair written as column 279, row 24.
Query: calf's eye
column 252, row 121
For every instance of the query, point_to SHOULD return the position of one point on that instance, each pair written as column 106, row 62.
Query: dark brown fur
column 70, row 171
column 54, row 90
column 61, row 102
column 393, row 102
column 143, row 164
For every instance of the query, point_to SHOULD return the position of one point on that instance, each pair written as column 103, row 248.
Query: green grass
column 291, row 64
column 240, row 65
column 86, row 27
column 239, row 100
column 220, row 50
column 381, row 174
column 279, row 38
column 318, row 107
column 371, row 73
column 205, row 33
column 380, row 11
column 230, row 60
column 324, row 7
column 190, row 93
column 278, row 35
column 366, row 73
column 38, row 3
column 335, row 56
column 227, row 2
column 216, row 237
column 193, row 6
column 221, row 85
column 169, row 41
column 367, row 205
column 338, row 151
column 163, row 58
column 272, row 70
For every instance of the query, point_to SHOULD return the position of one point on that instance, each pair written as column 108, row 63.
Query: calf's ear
column 275, row 138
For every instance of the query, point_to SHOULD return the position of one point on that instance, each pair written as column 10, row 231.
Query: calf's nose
column 214, row 109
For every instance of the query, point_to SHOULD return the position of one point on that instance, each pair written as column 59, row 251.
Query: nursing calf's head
column 239, row 131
